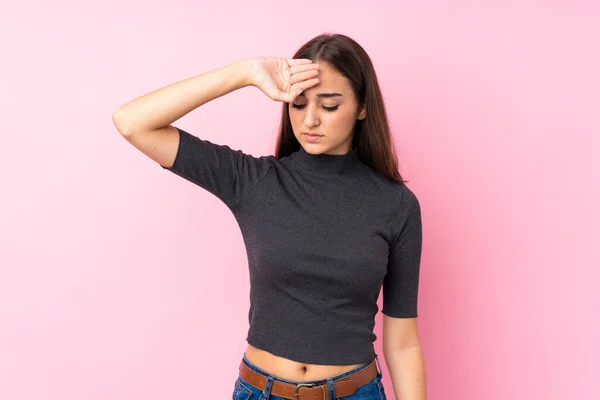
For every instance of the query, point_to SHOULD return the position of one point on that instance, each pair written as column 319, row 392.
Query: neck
column 326, row 164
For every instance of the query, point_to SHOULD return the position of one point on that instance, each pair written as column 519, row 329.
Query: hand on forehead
column 331, row 83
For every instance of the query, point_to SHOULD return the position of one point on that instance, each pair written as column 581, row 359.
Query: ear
column 362, row 114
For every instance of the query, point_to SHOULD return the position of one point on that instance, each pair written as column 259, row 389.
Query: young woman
column 327, row 221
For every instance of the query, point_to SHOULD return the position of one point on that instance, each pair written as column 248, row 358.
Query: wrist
column 247, row 70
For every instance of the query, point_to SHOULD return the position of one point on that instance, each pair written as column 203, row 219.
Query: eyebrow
column 324, row 94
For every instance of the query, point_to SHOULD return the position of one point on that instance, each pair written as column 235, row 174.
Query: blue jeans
column 370, row 391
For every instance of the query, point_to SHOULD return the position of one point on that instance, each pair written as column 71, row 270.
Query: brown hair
column 371, row 135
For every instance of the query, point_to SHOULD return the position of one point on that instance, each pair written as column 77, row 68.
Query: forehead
column 330, row 81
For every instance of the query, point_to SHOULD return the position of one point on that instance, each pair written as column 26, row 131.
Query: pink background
column 119, row 280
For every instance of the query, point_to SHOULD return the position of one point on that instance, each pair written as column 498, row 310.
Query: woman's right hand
column 283, row 79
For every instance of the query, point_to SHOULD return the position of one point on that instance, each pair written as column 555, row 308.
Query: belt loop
column 267, row 392
column 331, row 386
column 242, row 360
column 379, row 365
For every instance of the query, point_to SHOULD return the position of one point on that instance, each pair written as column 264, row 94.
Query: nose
column 311, row 117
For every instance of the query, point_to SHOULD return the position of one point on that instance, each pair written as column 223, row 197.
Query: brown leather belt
column 303, row 391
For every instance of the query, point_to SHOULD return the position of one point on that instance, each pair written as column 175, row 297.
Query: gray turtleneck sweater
column 323, row 233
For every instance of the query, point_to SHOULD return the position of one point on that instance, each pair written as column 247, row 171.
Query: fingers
column 298, row 88
column 303, row 72
column 304, row 67
column 298, row 61
column 302, row 86
column 302, row 76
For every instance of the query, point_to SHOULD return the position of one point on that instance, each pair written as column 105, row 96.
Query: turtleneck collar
column 326, row 164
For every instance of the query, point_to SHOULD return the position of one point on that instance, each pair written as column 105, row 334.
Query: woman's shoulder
column 385, row 183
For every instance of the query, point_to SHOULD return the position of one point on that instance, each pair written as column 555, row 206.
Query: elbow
column 120, row 122
column 400, row 348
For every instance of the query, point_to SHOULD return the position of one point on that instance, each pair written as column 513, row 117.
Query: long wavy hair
column 371, row 135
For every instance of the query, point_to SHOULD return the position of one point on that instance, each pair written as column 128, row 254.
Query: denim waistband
column 319, row 381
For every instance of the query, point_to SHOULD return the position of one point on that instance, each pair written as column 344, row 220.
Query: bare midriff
column 292, row 370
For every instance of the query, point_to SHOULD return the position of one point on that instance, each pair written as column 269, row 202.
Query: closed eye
column 301, row 106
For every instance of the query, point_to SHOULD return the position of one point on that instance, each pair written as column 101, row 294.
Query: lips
column 311, row 134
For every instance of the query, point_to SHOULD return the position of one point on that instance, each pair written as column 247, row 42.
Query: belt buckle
column 299, row 385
